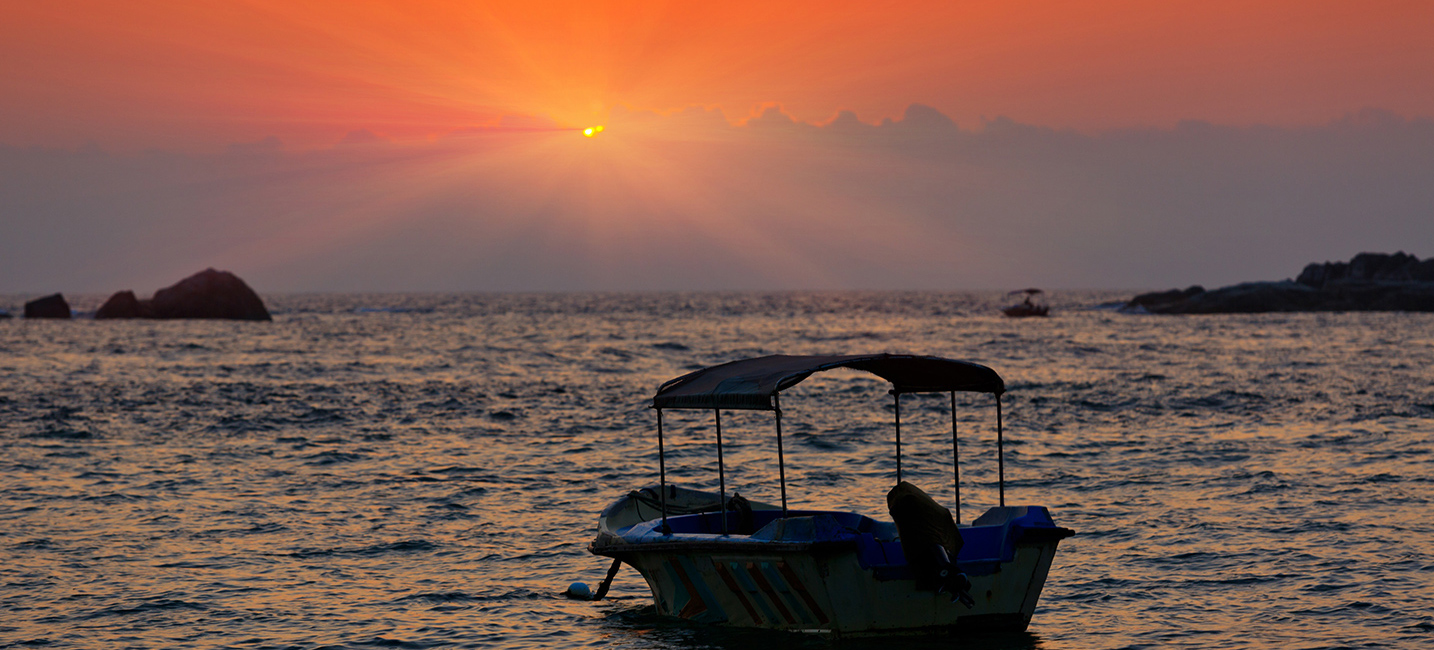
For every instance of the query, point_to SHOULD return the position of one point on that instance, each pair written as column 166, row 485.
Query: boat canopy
column 751, row 383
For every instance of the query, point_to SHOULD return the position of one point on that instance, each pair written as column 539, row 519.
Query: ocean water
column 425, row 471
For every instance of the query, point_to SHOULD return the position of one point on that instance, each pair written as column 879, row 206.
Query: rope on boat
column 580, row 591
column 607, row 582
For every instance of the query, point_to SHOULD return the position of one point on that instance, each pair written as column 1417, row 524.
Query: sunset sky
column 956, row 144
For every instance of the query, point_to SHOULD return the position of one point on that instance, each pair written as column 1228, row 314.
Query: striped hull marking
column 796, row 582
column 731, row 583
column 701, row 604
column 775, row 589
column 755, row 569
column 744, row 578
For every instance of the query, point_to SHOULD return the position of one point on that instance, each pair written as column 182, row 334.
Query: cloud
column 918, row 117
column 689, row 201
column 526, row 123
column 362, row 137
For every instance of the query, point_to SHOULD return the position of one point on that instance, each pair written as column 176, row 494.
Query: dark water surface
column 426, row 471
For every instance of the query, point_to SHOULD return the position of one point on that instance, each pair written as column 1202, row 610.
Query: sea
column 426, row 470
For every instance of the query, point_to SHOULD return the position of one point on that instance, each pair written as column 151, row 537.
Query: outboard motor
column 952, row 581
column 930, row 541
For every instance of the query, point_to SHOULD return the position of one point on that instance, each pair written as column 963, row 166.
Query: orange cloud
column 146, row 73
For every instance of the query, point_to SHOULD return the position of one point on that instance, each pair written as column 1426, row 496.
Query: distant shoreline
column 1368, row 282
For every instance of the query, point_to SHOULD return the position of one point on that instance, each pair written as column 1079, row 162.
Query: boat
column 1029, row 306
column 723, row 560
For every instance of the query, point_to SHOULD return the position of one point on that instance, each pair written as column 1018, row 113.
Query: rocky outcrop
column 1369, row 282
column 209, row 294
column 51, row 306
column 1159, row 301
column 123, row 305
column 1369, row 267
column 206, row 294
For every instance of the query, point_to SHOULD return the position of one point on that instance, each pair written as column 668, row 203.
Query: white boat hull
column 833, row 595
column 777, row 582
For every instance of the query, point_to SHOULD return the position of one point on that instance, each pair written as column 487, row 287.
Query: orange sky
column 189, row 74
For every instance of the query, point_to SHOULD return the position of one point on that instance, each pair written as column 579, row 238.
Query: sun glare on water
column 592, row 131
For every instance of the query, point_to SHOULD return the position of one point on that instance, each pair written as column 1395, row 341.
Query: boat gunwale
column 688, row 546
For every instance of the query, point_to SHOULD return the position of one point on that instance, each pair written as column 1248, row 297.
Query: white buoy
column 579, row 591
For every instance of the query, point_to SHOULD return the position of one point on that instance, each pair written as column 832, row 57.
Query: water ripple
column 425, row 470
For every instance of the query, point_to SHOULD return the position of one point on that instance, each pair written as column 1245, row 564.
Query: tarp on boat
column 751, row 383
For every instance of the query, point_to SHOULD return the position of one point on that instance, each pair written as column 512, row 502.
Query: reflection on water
column 425, row 471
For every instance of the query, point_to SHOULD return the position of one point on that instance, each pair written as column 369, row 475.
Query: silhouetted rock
column 1369, row 282
column 1250, row 297
column 209, row 294
column 1158, row 301
column 123, row 305
column 52, row 306
column 1423, row 271
column 1369, row 267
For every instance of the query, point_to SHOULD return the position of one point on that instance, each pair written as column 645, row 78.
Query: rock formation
column 1369, row 267
column 1369, row 282
column 51, row 306
column 1159, row 301
column 209, row 294
column 122, row 305
column 206, row 294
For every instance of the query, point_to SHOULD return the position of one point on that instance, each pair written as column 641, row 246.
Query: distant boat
column 1029, row 306
column 720, row 559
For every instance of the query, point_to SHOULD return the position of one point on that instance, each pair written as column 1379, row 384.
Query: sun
column 592, row 131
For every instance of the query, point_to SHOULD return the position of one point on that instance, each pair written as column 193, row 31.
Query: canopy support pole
column 1000, row 453
column 955, row 459
column 896, row 398
column 781, row 462
column 662, row 473
column 721, row 472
